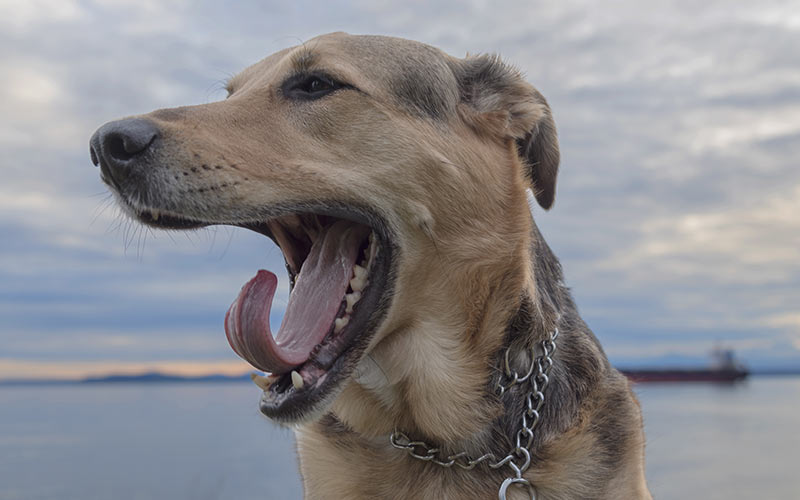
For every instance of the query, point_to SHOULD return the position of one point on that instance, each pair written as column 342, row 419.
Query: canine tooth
column 263, row 382
column 154, row 214
column 351, row 299
column 340, row 323
column 297, row 380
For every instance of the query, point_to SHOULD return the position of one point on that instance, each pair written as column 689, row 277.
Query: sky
column 677, row 218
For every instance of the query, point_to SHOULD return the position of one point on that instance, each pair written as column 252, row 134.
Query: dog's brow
column 232, row 83
column 304, row 59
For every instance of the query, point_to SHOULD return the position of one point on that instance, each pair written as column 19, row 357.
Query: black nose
column 116, row 146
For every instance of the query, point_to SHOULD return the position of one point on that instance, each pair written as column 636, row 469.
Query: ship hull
column 723, row 376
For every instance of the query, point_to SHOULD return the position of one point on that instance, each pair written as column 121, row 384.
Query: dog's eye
column 310, row 86
column 317, row 85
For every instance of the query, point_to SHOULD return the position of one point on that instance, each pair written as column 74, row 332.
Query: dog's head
column 378, row 165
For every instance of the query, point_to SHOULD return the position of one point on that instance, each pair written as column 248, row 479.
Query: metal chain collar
column 519, row 458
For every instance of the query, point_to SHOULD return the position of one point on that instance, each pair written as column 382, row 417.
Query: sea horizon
column 158, row 376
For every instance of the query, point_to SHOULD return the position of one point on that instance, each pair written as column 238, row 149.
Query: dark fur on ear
column 540, row 152
column 506, row 104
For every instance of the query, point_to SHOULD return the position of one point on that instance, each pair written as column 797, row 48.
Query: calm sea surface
column 207, row 441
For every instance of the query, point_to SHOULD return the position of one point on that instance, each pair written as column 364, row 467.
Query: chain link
column 519, row 458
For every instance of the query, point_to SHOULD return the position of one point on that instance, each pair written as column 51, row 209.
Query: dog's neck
column 579, row 360
column 378, row 401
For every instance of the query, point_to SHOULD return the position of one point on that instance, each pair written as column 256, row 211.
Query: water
column 207, row 441
column 723, row 441
column 149, row 441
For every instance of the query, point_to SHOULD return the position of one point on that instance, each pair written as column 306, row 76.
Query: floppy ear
column 505, row 103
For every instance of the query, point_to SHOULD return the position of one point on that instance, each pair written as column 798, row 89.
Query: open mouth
column 338, row 260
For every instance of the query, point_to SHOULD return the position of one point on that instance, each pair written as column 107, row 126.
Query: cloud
column 29, row 87
column 22, row 17
column 753, row 243
column 791, row 320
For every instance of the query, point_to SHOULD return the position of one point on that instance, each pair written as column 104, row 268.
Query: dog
column 429, row 348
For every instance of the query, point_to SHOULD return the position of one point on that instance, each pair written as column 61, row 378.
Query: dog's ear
column 499, row 100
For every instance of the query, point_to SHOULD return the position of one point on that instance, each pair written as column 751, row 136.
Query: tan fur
column 452, row 188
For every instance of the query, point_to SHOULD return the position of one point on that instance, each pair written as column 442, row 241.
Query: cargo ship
column 724, row 368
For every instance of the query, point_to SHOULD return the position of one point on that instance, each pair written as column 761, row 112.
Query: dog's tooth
column 262, row 381
column 154, row 214
column 351, row 299
column 340, row 323
column 297, row 380
column 357, row 284
column 359, row 272
column 359, row 278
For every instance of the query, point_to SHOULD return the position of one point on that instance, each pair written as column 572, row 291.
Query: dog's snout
column 117, row 145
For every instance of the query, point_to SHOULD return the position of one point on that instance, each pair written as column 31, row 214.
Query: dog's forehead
column 419, row 76
column 262, row 70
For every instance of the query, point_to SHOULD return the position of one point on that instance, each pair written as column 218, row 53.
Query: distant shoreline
column 147, row 378
column 158, row 377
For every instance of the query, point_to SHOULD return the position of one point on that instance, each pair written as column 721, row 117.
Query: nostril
column 119, row 149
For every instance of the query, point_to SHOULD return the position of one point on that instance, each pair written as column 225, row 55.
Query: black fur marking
column 337, row 431
column 420, row 92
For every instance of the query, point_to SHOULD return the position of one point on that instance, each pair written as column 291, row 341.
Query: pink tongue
column 313, row 304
